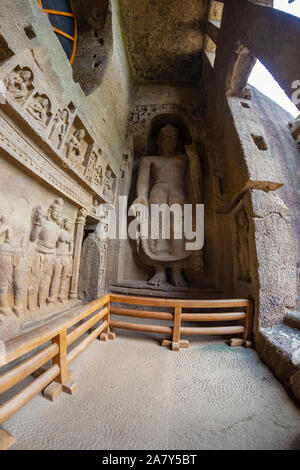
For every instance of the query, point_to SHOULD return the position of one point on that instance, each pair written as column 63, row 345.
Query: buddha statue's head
column 168, row 141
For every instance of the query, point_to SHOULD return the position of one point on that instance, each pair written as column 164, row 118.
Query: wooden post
column 176, row 343
column 248, row 325
column 79, row 224
column 107, row 333
column 6, row 440
column 176, row 329
column 65, row 380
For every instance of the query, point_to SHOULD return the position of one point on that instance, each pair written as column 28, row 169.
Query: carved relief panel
column 56, row 162
column 109, row 183
column 39, row 251
column 77, row 144
column 19, row 84
column 39, row 107
column 72, row 142
column 59, row 127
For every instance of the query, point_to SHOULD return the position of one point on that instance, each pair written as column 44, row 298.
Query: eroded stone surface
column 164, row 39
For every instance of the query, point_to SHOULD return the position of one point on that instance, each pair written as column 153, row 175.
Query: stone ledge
column 292, row 319
column 279, row 348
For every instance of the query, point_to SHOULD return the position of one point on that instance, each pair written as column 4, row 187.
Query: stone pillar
column 79, row 226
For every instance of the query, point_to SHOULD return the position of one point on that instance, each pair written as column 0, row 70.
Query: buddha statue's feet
column 159, row 278
column 177, row 279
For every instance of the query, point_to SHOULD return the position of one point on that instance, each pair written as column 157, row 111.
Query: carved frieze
column 141, row 114
column 65, row 131
column 21, row 150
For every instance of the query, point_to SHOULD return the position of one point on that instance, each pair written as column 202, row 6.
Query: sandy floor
column 133, row 394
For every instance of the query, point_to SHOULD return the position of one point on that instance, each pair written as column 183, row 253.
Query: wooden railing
column 176, row 330
column 61, row 333
column 53, row 341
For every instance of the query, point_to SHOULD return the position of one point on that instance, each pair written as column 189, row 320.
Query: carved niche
column 141, row 114
column 59, row 127
column 19, row 84
column 39, row 108
column 171, row 174
column 89, row 171
column 78, row 146
column 94, row 258
column 109, row 182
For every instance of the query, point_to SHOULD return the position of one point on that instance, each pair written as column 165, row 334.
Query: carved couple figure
column 17, row 84
column 39, row 109
column 52, row 264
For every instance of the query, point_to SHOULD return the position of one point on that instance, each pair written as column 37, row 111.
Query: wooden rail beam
column 212, row 330
column 213, row 316
column 26, row 368
column 85, row 343
column 141, row 313
column 142, row 327
column 23, row 397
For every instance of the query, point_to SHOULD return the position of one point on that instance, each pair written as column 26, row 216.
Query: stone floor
column 133, row 394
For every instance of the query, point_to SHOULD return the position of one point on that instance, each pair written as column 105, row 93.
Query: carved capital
column 81, row 215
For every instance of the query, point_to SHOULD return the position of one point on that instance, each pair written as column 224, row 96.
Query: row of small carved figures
column 19, row 86
column 46, row 277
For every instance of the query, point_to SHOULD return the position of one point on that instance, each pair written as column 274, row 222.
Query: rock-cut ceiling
column 164, row 38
